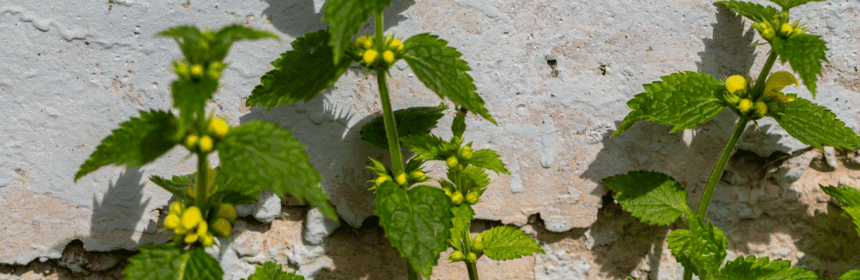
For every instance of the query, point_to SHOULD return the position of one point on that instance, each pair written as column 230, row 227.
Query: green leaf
column 217, row 43
column 653, row 197
column 344, row 17
column 410, row 121
column 847, row 196
column 507, row 243
column 815, row 125
column 488, row 159
column 190, row 96
column 788, row 4
column 851, row 275
column 272, row 271
column 440, row 68
column 753, row 11
column 417, row 222
column 472, row 178
column 177, row 185
column 458, row 126
column 701, row 249
column 752, row 268
column 136, row 142
column 300, row 74
column 427, row 146
column 684, row 100
column 168, row 262
column 262, row 154
column 460, row 223
column 805, row 53
column 853, row 213
column 236, row 32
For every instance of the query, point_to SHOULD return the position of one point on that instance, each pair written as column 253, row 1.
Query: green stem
column 202, row 173
column 702, row 208
column 473, row 271
column 758, row 89
column 688, row 274
column 411, row 272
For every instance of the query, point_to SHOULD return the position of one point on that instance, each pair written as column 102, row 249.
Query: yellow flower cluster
column 770, row 100
column 217, row 128
column 189, row 224
column 778, row 26
column 198, row 71
column 369, row 53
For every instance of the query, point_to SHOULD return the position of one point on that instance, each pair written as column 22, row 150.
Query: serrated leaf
column 700, row 249
column 507, row 243
column 440, row 68
column 753, row 11
column 684, row 100
column 300, row 74
column 232, row 192
column 217, row 45
column 653, row 197
column 847, row 196
column 426, row 146
column 417, row 222
column 853, row 213
column 272, row 271
column 262, row 154
column 815, row 125
column 461, row 222
column 851, row 275
column 488, row 159
column 805, row 53
column 752, row 268
column 177, row 185
column 136, row 142
column 168, row 262
column 788, row 4
column 409, row 121
column 471, row 178
column 344, row 17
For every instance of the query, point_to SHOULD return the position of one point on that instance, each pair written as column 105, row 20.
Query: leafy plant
column 686, row 100
column 849, row 199
column 420, row 220
column 254, row 156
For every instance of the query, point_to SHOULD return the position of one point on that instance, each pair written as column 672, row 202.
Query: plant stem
column 758, row 89
column 688, row 274
column 473, row 271
column 702, row 208
column 411, row 272
column 202, row 173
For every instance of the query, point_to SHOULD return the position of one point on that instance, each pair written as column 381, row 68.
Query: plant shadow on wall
column 299, row 17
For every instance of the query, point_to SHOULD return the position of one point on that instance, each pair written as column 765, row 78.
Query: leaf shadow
column 298, row 17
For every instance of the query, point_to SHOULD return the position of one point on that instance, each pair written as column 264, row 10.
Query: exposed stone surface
column 554, row 74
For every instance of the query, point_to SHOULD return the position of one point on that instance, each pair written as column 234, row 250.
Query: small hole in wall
column 552, row 64
column 602, row 69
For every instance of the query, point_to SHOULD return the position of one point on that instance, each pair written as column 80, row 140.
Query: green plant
column 686, row 100
column 420, row 220
column 849, row 199
column 254, row 156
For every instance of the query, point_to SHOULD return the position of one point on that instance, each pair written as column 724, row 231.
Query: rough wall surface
column 555, row 75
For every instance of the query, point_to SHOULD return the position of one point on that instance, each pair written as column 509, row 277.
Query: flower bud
column 732, row 99
column 182, row 69
column 180, row 230
column 472, row 198
column 177, row 207
column 760, row 108
column 447, row 192
column 466, row 152
column 172, row 221
column 191, row 217
column 202, row 228
column 452, row 162
column 222, row 227
column 745, row 105
column 218, row 127
column 197, row 71
column 369, row 57
column 736, row 84
column 382, row 179
column 417, row 176
column 471, row 257
column 205, row 144
column 364, row 41
column 191, row 238
column 786, row 29
column 767, row 34
column 226, row 211
column 207, row 240
column 457, row 198
column 457, row 256
column 401, row 179
column 191, row 141
column 388, row 57
column 395, row 45
column 478, row 244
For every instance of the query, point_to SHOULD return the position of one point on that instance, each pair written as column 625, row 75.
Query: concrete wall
column 555, row 74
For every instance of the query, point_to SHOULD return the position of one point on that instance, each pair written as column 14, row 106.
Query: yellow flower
column 471, row 257
column 777, row 81
column 218, row 127
column 478, row 244
column 369, row 56
column 227, row 211
column 388, row 56
column 197, row 70
column 786, row 29
column 736, row 84
column 745, row 105
column 456, row 256
column 401, row 179
column 364, row 41
column 202, row 228
column 191, row 141
column 760, row 108
column 395, row 45
column 191, row 217
column 191, row 238
column 172, row 221
column 222, row 227
column 182, row 69
column 466, row 152
column 205, row 144
column 767, row 34
column 207, row 240
column 177, row 207
column 418, row 176
column 180, row 230
column 451, row 162
column 381, row 179
column 457, row 198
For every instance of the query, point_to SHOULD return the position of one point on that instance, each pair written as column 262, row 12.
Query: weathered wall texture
column 555, row 74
